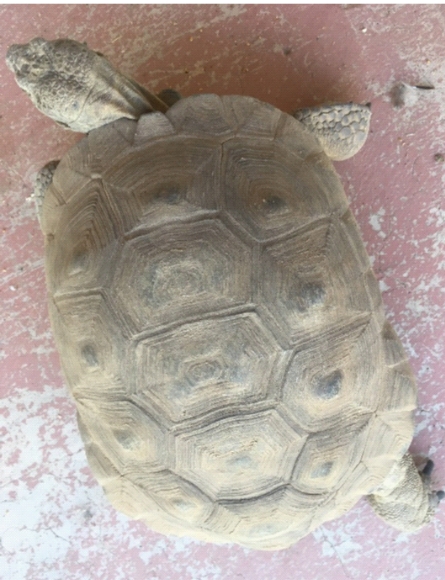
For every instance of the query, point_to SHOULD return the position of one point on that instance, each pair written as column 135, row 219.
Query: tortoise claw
column 435, row 496
column 428, row 469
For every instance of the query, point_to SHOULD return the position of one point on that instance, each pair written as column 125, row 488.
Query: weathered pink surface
column 54, row 520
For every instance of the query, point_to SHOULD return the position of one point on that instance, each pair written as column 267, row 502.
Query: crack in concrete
column 334, row 548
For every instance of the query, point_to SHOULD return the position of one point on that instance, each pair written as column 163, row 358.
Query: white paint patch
column 337, row 543
column 438, row 238
column 428, row 414
column 376, row 220
column 383, row 286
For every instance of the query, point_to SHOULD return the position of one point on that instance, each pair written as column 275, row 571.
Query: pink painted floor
column 54, row 521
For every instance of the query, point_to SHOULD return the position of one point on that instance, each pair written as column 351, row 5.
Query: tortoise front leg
column 341, row 129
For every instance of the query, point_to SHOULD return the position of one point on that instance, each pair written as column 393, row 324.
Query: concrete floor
column 54, row 521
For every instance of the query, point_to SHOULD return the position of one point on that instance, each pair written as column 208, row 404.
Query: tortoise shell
column 220, row 326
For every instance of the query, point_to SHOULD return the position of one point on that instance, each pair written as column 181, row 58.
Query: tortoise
column 216, row 314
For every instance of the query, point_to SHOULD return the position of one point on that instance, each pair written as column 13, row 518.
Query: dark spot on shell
column 78, row 262
column 305, row 296
column 126, row 440
column 170, row 195
column 328, row 387
column 274, row 204
column 89, row 355
column 241, row 462
column 428, row 469
column 322, row 470
column 312, row 294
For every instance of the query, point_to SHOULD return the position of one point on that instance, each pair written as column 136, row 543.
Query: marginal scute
column 72, row 174
column 129, row 437
column 84, row 244
column 390, row 434
column 253, row 117
column 274, row 520
column 180, row 181
column 268, row 190
column 103, row 469
column 329, row 381
column 107, row 143
column 401, row 394
column 203, row 115
column 87, row 328
column 177, row 497
column 51, row 209
column 152, row 126
column 220, row 326
column 295, row 137
column 394, row 352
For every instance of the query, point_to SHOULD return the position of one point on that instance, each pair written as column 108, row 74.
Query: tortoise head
column 54, row 74
column 74, row 85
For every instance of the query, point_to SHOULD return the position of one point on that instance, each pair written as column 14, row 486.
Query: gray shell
column 220, row 326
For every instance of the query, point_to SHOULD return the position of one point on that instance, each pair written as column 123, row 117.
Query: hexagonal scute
column 164, row 180
column 336, row 377
column 312, row 280
column 181, row 271
column 90, row 345
column 127, row 436
column 328, row 456
column 239, row 456
column 82, row 242
column 203, row 366
column 271, row 191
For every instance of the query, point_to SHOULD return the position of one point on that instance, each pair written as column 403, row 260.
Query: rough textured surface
column 341, row 129
column 75, row 86
column 220, row 326
column 55, row 521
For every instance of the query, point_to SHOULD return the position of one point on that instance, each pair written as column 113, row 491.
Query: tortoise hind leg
column 341, row 129
column 404, row 499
